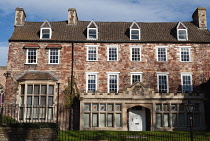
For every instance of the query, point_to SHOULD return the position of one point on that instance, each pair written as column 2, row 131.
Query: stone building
column 131, row 76
column 3, row 70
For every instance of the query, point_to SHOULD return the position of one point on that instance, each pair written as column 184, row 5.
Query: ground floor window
column 36, row 101
column 175, row 115
column 102, row 115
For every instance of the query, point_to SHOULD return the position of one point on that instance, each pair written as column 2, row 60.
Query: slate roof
column 110, row 32
column 37, row 75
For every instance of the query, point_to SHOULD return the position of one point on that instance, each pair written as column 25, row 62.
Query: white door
column 137, row 120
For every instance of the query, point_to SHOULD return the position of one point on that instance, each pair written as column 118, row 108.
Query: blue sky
column 99, row 10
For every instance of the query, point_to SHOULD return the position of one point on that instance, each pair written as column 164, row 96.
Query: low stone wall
column 27, row 134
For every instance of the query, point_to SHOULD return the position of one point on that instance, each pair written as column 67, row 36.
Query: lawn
column 132, row 136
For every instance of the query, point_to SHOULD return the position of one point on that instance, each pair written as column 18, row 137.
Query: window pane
column 95, row 107
column 158, row 120
column 42, row 113
column 31, row 55
column 92, row 53
column 118, row 107
column 50, row 101
column 113, row 83
column 50, row 114
column 182, row 34
column 112, row 54
column 181, row 107
column 36, row 89
column 135, row 78
column 43, row 89
column 136, row 54
column 43, row 100
column 186, row 83
column 173, row 107
column 21, row 113
column 102, row 107
column 102, row 120
column 86, row 107
column 95, row 120
column 163, row 84
column 92, row 83
column 110, row 107
column 35, row 113
column 174, row 120
column 166, row 107
column 36, row 100
column 166, row 120
column 29, row 100
column 86, row 120
column 30, row 89
column 158, row 107
column 185, row 54
column 22, row 89
column 54, row 56
column 110, row 120
column 28, row 113
column 181, row 120
column 118, row 120
column 162, row 54
column 197, row 120
column 51, row 90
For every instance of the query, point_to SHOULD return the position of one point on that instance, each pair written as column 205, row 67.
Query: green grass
column 132, row 136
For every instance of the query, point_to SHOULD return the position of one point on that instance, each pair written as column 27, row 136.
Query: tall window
column 185, row 54
column 31, row 56
column 91, row 82
column 162, row 82
column 54, row 55
column 161, row 54
column 135, row 53
column 136, row 76
column 112, row 53
column 186, row 82
column 45, row 33
column 92, row 53
column 113, row 82
column 37, row 102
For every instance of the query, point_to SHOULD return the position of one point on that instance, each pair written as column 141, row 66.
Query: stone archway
column 138, row 118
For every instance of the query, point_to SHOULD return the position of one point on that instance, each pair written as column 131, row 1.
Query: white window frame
column 27, row 51
column 49, row 51
column 108, row 78
column 108, row 48
column 87, row 52
column 180, row 51
column 133, row 47
column 136, row 73
column 134, row 34
column 41, row 34
column 178, row 34
column 186, row 74
column 88, row 33
column 162, row 74
column 96, row 77
column 166, row 51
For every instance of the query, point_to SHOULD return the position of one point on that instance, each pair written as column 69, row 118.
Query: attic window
column 45, row 33
column 182, row 34
column 45, row 30
column 92, row 31
column 134, row 31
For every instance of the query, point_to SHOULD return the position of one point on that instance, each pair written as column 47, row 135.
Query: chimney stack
column 199, row 18
column 20, row 16
column 72, row 16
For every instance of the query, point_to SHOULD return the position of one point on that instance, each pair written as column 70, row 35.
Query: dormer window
column 92, row 31
column 46, row 30
column 45, row 33
column 182, row 34
column 134, row 31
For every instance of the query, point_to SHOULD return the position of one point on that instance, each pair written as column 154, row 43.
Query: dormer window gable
column 45, row 30
column 92, row 31
column 182, row 32
column 134, row 31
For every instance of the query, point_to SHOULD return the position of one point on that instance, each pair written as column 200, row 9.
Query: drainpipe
column 72, row 77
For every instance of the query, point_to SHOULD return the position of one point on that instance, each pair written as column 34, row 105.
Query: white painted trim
column 108, row 77
column 87, row 48
column 131, row 47
column 96, row 77
column 42, row 34
column 27, row 56
column 180, row 50
column 166, row 50
column 112, row 46
column 186, row 35
column 49, row 55
column 135, row 73
column 138, row 34
column 162, row 74
column 89, row 35
column 186, row 74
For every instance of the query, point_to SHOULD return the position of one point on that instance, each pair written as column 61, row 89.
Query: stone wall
column 22, row 134
column 3, row 70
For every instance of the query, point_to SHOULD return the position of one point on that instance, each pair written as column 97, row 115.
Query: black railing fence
column 60, row 116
